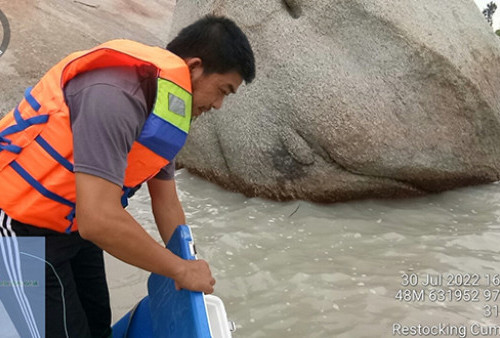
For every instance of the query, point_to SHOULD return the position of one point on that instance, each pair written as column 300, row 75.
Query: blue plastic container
column 167, row 312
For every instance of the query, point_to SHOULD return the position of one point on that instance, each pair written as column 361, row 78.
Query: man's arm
column 167, row 208
column 102, row 220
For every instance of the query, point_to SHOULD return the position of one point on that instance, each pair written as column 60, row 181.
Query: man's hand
column 195, row 276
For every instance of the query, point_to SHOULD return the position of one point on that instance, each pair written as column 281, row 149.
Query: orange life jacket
column 37, row 183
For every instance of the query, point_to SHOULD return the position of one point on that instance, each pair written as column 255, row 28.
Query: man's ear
column 195, row 66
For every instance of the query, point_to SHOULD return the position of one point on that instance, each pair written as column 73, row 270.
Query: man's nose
column 218, row 103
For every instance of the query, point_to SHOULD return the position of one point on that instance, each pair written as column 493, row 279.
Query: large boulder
column 353, row 99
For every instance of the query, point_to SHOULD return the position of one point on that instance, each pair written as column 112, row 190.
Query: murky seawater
column 299, row 269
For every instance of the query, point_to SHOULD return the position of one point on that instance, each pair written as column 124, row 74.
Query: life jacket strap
column 127, row 193
column 38, row 186
column 21, row 124
column 31, row 100
column 9, row 146
column 70, row 217
column 124, row 199
column 55, row 155
column 44, row 191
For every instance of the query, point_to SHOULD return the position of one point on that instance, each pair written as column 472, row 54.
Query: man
column 97, row 125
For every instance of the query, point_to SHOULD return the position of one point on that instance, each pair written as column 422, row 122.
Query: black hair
column 219, row 43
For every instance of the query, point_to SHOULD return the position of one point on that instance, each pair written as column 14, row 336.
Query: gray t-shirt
column 108, row 108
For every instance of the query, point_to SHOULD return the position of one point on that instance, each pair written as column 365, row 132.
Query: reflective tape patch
column 176, row 105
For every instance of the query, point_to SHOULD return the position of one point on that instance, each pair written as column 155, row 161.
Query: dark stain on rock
column 293, row 7
column 286, row 165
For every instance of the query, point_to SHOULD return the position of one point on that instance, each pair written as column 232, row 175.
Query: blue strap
column 38, row 119
column 22, row 123
column 31, row 100
column 20, row 126
column 9, row 147
column 127, row 193
column 55, row 155
column 124, row 200
column 70, row 217
column 38, row 187
column 10, row 130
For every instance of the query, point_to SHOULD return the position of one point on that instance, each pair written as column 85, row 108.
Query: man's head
column 219, row 58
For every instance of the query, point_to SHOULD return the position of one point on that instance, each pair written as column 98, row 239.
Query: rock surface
column 354, row 99
column 43, row 32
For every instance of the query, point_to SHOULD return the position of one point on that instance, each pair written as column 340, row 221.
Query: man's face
column 209, row 90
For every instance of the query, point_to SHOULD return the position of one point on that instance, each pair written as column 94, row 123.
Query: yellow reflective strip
column 162, row 110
